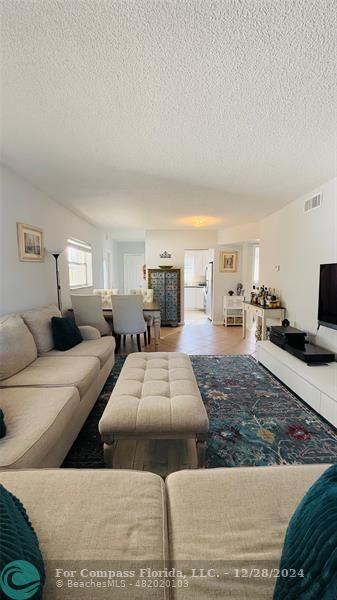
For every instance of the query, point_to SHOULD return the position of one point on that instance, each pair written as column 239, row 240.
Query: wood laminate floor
column 199, row 336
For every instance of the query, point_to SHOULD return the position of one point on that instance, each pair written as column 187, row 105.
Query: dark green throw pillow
column 66, row 334
column 22, row 573
column 2, row 424
column 310, row 545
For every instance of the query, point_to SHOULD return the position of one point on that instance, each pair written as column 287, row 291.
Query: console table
column 261, row 314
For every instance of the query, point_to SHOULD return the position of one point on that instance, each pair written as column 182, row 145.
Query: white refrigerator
column 209, row 291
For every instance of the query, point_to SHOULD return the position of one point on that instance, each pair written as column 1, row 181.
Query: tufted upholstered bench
column 156, row 397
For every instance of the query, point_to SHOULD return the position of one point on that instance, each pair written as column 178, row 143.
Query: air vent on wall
column 313, row 202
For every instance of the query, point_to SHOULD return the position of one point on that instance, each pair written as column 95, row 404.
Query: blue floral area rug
column 254, row 419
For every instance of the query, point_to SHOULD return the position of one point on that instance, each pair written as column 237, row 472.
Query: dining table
column 149, row 309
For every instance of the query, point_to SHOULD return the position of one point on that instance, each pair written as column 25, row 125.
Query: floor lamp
column 56, row 254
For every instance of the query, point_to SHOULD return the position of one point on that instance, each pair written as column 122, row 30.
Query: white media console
column 316, row 385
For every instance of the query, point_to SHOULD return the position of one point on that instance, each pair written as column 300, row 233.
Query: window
column 195, row 263
column 256, row 265
column 80, row 264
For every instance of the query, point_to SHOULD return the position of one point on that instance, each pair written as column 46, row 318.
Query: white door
column 107, row 269
column 133, row 272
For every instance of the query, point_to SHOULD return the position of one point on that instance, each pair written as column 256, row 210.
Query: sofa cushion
column 233, row 518
column 89, row 333
column 17, row 346
column 35, row 419
column 39, row 322
column 101, row 349
column 97, row 520
column 52, row 371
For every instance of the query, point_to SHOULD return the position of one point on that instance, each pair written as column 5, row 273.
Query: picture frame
column 228, row 261
column 30, row 243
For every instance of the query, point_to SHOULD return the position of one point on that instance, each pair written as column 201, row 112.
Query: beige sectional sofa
column 46, row 395
column 224, row 521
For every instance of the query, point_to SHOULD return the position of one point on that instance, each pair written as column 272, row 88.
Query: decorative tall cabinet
column 166, row 286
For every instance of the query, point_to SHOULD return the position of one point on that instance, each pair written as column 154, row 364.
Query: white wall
column 248, row 252
column 246, row 237
column 176, row 242
column 223, row 282
column 23, row 284
column 299, row 242
column 240, row 233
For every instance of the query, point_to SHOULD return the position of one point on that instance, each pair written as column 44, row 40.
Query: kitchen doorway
column 197, row 302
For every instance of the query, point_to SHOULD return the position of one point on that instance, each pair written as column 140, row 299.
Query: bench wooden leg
column 108, row 454
column 138, row 343
column 201, row 442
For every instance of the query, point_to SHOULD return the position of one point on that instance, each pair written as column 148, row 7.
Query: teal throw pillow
column 310, row 545
column 22, row 573
column 66, row 334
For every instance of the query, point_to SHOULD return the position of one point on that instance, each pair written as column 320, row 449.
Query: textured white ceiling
column 138, row 113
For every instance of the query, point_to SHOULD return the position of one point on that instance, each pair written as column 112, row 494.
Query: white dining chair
column 128, row 318
column 105, row 294
column 147, row 294
column 88, row 311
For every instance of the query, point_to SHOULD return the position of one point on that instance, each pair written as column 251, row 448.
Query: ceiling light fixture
column 200, row 220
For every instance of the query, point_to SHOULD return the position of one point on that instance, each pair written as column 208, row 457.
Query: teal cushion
column 66, row 334
column 2, row 424
column 310, row 545
column 21, row 562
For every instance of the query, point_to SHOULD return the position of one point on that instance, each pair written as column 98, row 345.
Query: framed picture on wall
column 30, row 243
column 228, row 261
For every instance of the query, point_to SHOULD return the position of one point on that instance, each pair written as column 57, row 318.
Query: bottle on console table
column 253, row 294
column 262, row 296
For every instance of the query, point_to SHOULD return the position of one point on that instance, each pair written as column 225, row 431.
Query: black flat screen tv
column 327, row 302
